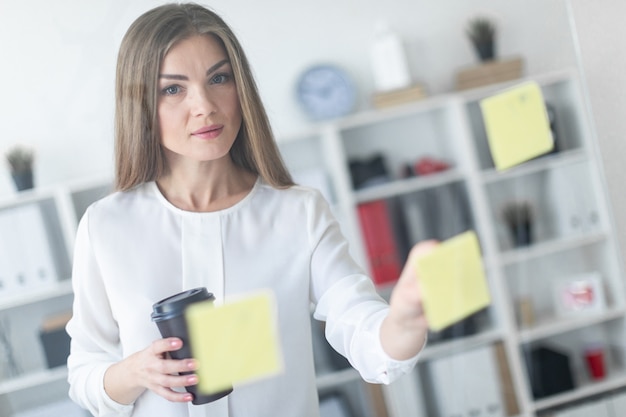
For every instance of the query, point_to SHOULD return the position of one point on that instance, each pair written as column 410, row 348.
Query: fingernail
column 191, row 365
column 188, row 397
column 192, row 379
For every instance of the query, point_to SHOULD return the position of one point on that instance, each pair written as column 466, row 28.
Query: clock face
column 325, row 92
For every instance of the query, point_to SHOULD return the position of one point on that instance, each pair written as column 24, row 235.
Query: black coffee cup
column 169, row 316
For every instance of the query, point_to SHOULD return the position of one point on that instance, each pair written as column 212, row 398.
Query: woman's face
column 198, row 107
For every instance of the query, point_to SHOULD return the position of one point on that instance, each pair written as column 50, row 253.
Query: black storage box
column 549, row 371
column 55, row 340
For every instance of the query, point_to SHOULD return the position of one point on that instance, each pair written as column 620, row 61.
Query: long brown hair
column 139, row 156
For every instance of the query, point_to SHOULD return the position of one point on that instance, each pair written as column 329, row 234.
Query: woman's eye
column 220, row 78
column 171, row 90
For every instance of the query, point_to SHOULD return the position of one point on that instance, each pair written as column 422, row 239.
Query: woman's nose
column 202, row 103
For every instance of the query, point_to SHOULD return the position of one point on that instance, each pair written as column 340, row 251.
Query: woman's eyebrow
column 174, row 77
column 185, row 78
column 217, row 66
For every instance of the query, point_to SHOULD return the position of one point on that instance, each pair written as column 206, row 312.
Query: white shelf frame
column 54, row 290
column 477, row 180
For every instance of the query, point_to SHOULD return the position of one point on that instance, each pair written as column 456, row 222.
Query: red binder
column 380, row 242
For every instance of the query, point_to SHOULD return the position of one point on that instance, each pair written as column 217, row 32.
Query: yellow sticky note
column 452, row 280
column 517, row 125
column 235, row 342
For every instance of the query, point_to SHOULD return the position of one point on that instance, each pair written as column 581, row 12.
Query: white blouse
column 135, row 248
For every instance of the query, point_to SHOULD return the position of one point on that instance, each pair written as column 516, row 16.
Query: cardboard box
column 396, row 97
column 490, row 72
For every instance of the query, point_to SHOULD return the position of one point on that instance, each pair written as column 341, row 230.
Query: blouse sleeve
column 347, row 301
column 93, row 331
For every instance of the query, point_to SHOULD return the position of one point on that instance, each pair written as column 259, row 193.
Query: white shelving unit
column 27, row 382
column 572, row 234
column 572, row 230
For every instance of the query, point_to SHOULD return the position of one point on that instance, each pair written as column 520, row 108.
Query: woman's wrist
column 118, row 384
column 402, row 339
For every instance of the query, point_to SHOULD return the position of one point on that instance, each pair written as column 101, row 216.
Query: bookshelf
column 26, row 381
column 572, row 232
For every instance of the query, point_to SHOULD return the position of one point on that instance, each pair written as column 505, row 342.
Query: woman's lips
column 208, row 132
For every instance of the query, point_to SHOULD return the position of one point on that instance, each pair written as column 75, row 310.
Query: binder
column 26, row 260
column 445, row 378
column 467, row 384
column 12, row 266
column 616, row 404
column 36, row 254
column 7, row 257
column 576, row 210
column 414, row 218
column 380, row 241
column 596, row 408
column 482, row 384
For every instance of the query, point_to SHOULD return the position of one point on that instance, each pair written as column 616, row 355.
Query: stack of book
column 490, row 72
column 396, row 97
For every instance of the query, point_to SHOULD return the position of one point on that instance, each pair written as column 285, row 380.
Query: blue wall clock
column 326, row 92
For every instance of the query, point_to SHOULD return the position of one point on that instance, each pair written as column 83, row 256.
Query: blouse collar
column 154, row 189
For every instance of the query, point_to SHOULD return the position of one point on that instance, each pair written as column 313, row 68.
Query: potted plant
column 518, row 216
column 20, row 159
column 482, row 33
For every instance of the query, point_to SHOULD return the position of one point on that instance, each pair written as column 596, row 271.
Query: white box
column 579, row 294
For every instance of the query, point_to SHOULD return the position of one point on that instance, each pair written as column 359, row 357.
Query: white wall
column 599, row 26
column 58, row 58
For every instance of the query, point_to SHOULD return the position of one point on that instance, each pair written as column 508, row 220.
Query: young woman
column 203, row 199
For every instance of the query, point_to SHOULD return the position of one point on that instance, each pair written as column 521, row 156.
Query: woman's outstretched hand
column 403, row 331
column 151, row 369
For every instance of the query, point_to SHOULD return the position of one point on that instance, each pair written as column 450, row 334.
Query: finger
column 171, row 381
column 176, row 366
column 169, row 344
column 417, row 252
column 173, row 396
column 423, row 248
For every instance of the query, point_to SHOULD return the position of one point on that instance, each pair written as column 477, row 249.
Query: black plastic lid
column 174, row 305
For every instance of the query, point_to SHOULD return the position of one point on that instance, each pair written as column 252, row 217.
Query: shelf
column 563, row 325
column 407, row 186
column 460, row 344
column 552, row 77
column 333, row 379
column 585, row 390
column 33, row 379
column 543, row 163
column 33, row 195
column 549, row 247
column 374, row 116
column 57, row 289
